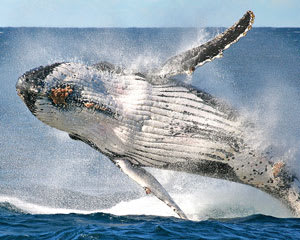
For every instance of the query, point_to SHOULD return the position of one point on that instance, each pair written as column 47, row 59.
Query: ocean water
column 52, row 187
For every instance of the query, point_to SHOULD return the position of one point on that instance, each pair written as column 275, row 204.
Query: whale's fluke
column 187, row 62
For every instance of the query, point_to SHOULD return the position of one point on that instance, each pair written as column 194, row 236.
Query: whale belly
column 176, row 127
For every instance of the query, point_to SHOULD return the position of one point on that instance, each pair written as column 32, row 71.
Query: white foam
column 39, row 209
column 202, row 205
column 210, row 199
column 201, row 198
column 148, row 205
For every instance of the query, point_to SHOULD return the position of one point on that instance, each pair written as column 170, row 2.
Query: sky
column 146, row 13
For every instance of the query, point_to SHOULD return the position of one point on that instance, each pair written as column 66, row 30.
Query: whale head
column 62, row 93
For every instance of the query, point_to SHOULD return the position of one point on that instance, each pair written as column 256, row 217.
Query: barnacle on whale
column 59, row 95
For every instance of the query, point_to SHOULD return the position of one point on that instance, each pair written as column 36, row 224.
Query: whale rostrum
column 151, row 119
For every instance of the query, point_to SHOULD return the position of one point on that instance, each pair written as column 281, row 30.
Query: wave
column 108, row 226
column 142, row 206
column 45, row 222
column 123, row 212
column 198, row 205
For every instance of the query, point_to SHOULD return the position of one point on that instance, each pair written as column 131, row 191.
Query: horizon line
column 73, row 27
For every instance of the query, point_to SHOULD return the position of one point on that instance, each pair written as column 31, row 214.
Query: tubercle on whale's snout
column 36, row 76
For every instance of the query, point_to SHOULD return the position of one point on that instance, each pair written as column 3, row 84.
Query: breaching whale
column 152, row 119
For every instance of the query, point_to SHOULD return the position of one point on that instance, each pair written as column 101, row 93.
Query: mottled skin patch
column 277, row 168
column 102, row 108
column 59, row 95
column 89, row 105
column 147, row 190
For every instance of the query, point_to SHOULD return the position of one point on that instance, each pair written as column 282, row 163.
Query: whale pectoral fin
column 187, row 62
column 149, row 183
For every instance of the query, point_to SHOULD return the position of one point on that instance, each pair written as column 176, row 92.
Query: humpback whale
column 152, row 119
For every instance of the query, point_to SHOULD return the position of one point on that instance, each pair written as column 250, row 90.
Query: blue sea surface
column 52, row 187
column 106, row 226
